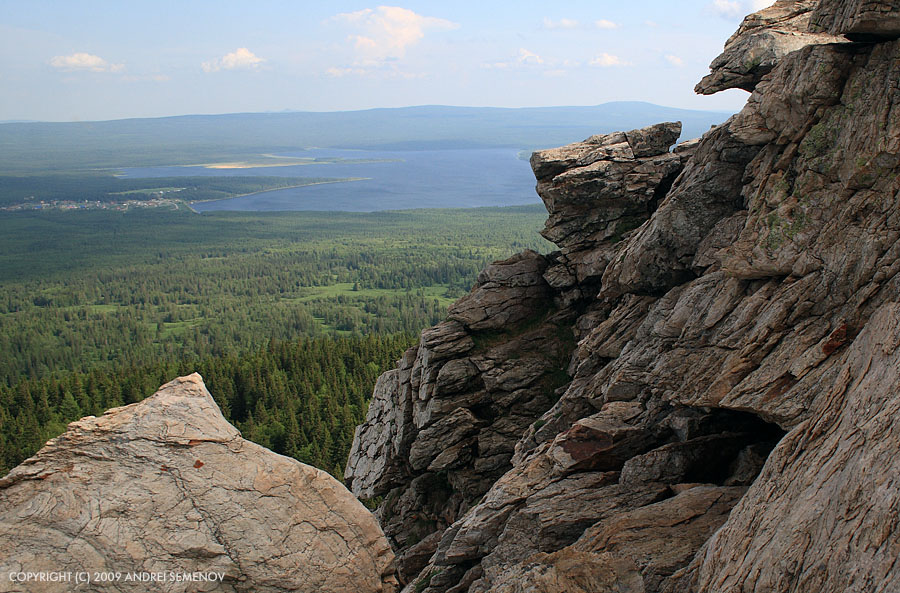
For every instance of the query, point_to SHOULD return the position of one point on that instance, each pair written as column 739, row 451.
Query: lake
column 401, row 180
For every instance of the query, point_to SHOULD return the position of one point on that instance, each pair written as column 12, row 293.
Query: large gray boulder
column 168, row 487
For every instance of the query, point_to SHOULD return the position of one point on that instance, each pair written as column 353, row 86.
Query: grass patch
column 176, row 329
column 353, row 290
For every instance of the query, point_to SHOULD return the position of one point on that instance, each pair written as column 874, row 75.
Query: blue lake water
column 464, row 178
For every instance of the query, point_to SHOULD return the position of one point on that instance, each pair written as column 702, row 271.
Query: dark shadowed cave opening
column 661, row 191
column 723, row 447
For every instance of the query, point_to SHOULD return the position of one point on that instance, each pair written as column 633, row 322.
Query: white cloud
column 675, row 60
column 85, row 61
column 386, row 32
column 527, row 57
column 605, row 60
column 728, row 8
column 605, row 24
column 732, row 9
column 241, row 58
column 560, row 24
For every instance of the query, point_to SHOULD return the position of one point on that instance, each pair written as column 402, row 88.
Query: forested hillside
column 289, row 317
column 301, row 398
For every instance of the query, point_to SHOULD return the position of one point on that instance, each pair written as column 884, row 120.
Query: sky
column 82, row 60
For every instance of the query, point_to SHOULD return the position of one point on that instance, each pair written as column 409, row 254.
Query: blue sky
column 89, row 60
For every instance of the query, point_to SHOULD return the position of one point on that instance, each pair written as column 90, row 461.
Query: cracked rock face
column 599, row 190
column 168, row 484
column 859, row 20
column 443, row 427
column 823, row 514
column 507, row 292
column 729, row 420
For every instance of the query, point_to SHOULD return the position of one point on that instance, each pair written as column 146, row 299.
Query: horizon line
column 292, row 111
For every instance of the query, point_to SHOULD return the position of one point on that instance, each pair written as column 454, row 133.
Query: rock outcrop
column 166, row 488
column 442, row 428
column 721, row 329
column 598, row 191
column 762, row 40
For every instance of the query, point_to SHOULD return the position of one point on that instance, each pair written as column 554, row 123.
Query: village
column 121, row 205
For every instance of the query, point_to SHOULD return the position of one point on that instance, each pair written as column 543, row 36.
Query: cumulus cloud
column 560, row 24
column 732, row 9
column 527, row 57
column 84, row 61
column 241, row 58
column 605, row 24
column 606, row 60
column 728, row 8
column 675, row 60
column 386, row 32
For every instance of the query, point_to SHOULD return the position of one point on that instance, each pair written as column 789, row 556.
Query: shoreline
column 262, row 191
column 304, row 163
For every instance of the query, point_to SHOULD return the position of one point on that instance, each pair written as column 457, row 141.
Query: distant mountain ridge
column 198, row 138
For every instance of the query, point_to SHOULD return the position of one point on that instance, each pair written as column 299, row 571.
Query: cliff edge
column 699, row 391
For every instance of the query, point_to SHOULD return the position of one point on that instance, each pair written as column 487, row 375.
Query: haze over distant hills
column 33, row 146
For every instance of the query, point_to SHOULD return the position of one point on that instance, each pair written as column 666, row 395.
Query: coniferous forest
column 289, row 317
